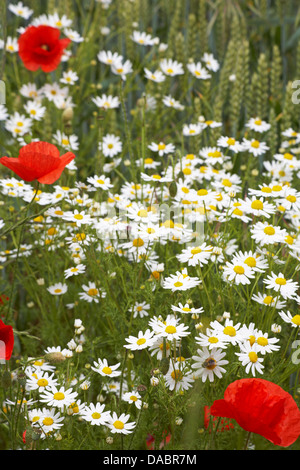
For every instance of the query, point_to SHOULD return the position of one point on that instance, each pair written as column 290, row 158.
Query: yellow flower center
column 269, row 230
column 213, row 340
column 253, row 356
column 48, row 421
column 106, row 370
column 255, row 144
column 291, row 198
column 251, row 340
column 138, row 242
column 42, row 382
column 277, row 188
column 229, row 330
column 58, row 396
column 196, row 251
column 250, row 261
column 226, row 182
column 266, row 189
column 78, row 216
column 262, row 341
column 289, row 240
column 170, row 329
column 161, row 146
column 176, row 375
column 202, row 192
column 296, row 320
column 178, row 284
column 96, row 415
column 257, row 205
column 142, row 213
column 141, row 341
column 231, row 141
column 118, row 424
column 239, row 269
column 281, row 281
column 237, row 212
column 100, row 181
column 268, row 300
column 92, row 292
column 133, row 398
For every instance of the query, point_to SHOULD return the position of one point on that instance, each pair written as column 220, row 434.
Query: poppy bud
column 173, row 189
column 142, row 389
column 30, row 435
column 27, row 138
column 55, row 357
column 164, row 365
column 22, row 378
column 68, row 114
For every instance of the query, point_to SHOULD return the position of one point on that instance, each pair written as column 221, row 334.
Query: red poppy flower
column 261, row 407
column 40, row 47
column 38, row 161
column 226, row 425
column 150, row 441
column 6, row 341
column 3, row 299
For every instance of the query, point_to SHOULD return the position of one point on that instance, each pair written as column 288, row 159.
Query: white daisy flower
column 105, row 370
column 178, row 378
column 142, row 341
column 58, row 397
column 58, row 289
column 293, row 320
column 258, row 125
column 95, row 414
column 249, row 358
column 120, row 424
column 209, row 363
column 286, row 287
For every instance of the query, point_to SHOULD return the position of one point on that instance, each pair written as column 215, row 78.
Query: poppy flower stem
column 18, row 252
column 247, row 440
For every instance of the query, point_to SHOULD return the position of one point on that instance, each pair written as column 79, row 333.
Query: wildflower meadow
column 149, row 225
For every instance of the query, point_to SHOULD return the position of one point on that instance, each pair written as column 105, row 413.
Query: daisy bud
column 178, row 421
column 71, row 344
column 40, row 281
column 109, row 440
column 78, row 349
column 154, row 381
